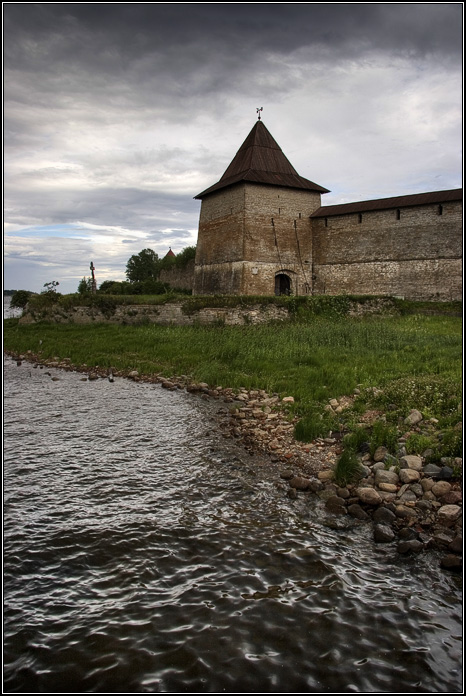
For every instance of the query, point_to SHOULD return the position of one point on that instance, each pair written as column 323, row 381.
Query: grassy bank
column 414, row 360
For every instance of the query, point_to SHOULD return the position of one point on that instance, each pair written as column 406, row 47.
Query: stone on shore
column 411, row 461
column 369, row 496
column 448, row 514
column 414, row 417
column 383, row 476
column 383, row 534
column 409, row 475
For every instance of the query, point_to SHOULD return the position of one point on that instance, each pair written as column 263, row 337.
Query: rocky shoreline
column 410, row 503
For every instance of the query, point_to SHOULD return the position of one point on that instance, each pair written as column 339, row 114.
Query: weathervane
column 259, row 113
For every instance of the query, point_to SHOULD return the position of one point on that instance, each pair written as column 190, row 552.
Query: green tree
column 143, row 266
column 185, row 256
column 85, row 286
column 20, row 298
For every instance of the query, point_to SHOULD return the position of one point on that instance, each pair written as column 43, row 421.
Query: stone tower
column 255, row 229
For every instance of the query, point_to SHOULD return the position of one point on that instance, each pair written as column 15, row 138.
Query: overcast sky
column 117, row 115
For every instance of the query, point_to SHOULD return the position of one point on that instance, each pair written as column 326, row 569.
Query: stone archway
column 282, row 284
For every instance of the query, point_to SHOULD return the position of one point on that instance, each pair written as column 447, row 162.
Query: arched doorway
column 282, row 284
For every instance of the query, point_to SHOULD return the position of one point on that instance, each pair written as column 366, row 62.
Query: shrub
column 314, row 425
column 355, row 439
column 347, row 468
column 20, row 298
column 383, row 435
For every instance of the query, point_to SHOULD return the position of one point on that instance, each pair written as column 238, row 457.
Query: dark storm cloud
column 117, row 114
column 86, row 32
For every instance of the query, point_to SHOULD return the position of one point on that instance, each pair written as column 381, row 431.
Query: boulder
column 413, row 418
column 451, row 562
column 383, row 476
column 379, row 454
column 410, row 546
column 383, row 534
column 409, row 475
column 357, row 511
column 384, row 516
column 411, row 461
column 440, row 488
column 448, row 514
column 369, row 496
column 299, row 483
column 432, row 470
column 336, row 505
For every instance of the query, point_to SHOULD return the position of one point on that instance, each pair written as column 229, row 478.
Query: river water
column 143, row 552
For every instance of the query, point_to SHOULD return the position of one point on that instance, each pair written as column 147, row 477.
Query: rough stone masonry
column 263, row 231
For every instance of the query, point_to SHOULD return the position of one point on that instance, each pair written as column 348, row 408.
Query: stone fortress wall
column 264, row 231
column 414, row 252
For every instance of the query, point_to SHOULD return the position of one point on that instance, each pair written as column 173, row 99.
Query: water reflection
column 145, row 553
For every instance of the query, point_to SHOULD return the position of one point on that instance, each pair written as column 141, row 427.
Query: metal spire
column 259, row 113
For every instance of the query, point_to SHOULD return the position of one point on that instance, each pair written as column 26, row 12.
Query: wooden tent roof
column 260, row 160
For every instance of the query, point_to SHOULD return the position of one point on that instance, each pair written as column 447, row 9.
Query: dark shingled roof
column 387, row 203
column 260, row 160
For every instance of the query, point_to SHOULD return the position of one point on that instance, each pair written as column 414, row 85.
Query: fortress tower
column 255, row 226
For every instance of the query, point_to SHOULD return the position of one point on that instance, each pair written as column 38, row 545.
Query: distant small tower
column 254, row 229
column 169, row 253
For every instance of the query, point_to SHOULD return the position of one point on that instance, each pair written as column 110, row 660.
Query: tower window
column 398, row 214
column 299, row 215
column 440, row 210
column 359, row 217
column 326, row 222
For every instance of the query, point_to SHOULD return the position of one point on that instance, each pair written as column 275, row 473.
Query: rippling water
column 145, row 553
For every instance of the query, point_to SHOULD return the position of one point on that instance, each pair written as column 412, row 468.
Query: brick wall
column 181, row 278
column 416, row 253
column 249, row 233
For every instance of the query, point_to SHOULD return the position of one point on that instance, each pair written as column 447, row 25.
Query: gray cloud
column 116, row 115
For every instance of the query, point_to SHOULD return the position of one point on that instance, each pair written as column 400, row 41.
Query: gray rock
column 407, row 534
column 384, row 516
column 432, row 470
column 378, row 466
column 424, row 505
column 356, row 511
column 413, row 418
column 343, row 493
column 383, row 534
column 451, row 498
column 405, row 512
column 409, row 475
column 287, row 474
column 315, row 485
column 411, row 546
column 336, row 505
column 451, row 562
column 417, row 489
column 441, row 488
column 368, row 496
column 408, row 497
column 299, row 483
column 448, row 514
column 383, row 476
column 456, row 546
column 446, row 473
column 379, row 454
column 411, row 461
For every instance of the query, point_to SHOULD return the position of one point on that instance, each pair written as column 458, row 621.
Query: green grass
column 416, row 360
